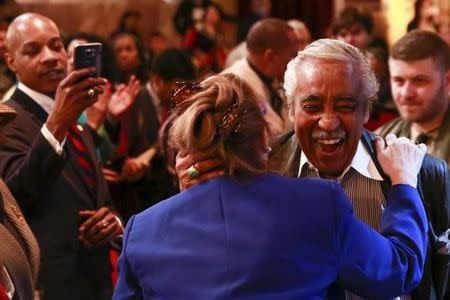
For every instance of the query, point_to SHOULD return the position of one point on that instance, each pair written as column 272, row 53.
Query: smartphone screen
column 89, row 55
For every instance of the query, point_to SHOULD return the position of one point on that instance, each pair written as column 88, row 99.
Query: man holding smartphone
column 49, row 163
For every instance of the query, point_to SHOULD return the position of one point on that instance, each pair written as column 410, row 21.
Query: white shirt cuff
column 52, row 140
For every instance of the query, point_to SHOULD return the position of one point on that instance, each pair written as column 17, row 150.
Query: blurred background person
column 426, row 16
column 383, row 110
column 129, row 22
column 355, row 27
column 204, row 41
column 240, row 51
column 304, row 36
column 258, row 9
column 130, row 175
column 156, row 43
column 271, row 44
column 188, row 13
column 169, row 69
column 7, row 77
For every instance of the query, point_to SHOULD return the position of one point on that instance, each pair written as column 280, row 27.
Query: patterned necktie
column 81, row 155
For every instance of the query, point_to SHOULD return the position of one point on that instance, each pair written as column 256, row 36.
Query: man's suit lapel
column 30, row 105
column 41, row 115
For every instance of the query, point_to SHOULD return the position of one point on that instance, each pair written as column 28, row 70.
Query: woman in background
column 255, row 235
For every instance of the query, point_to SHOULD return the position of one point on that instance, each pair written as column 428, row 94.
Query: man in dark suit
column 49, row 164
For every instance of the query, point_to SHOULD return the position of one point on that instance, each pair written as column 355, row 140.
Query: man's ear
column 268, row 56
column 11, row 62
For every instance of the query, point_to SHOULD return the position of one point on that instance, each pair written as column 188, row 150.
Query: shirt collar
column 44, row 101
column 362, row 163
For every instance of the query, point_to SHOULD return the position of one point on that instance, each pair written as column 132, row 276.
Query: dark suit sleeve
column 382, row 266
column 434, row 180
column 127, row 286
column 28, row 163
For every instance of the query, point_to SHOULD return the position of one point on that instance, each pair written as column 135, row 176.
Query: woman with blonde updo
column 255, row 235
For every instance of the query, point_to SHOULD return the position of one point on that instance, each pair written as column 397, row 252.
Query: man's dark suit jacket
column 50, row 190
column 434, row 189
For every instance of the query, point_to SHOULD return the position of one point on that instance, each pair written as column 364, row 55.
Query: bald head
column 271, row 44
column 270, row 33
column 19, row 27
column 36, row 52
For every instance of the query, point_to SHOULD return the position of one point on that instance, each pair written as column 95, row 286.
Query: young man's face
column 329, row 114
column 420, row 90
column 355, row 35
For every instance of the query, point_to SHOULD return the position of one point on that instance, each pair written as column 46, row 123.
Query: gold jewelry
column 91, row 93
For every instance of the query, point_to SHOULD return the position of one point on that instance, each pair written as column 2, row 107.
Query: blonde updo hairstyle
column 223, row 120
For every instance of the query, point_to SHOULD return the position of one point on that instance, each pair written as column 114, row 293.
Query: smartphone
column 89, row 55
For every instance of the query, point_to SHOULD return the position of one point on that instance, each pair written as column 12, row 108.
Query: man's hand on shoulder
column 400, row 158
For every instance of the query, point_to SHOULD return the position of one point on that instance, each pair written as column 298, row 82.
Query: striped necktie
column 81, row 155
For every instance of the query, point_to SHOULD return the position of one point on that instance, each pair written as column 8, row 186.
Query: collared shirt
column 362, row 163
column 361, row 182
column 47, row 104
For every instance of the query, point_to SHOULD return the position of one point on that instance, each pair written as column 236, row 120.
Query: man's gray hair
column 329, row 49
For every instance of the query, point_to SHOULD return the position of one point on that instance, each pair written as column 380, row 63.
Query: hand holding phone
column 89, row 55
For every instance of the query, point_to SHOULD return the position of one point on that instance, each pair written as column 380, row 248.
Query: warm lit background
column 391, row 16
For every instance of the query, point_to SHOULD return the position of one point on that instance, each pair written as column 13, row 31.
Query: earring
column 268, row 149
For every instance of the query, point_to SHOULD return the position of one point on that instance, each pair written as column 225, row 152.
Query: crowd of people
column 185, row 161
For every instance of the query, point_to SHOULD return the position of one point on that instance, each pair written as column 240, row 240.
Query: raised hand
column 400, row 158
column 96, row 113
column 124, row 97
column 74, row 94
column 133, row 169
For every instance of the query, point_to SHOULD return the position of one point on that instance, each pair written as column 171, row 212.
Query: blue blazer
column 272, row 238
